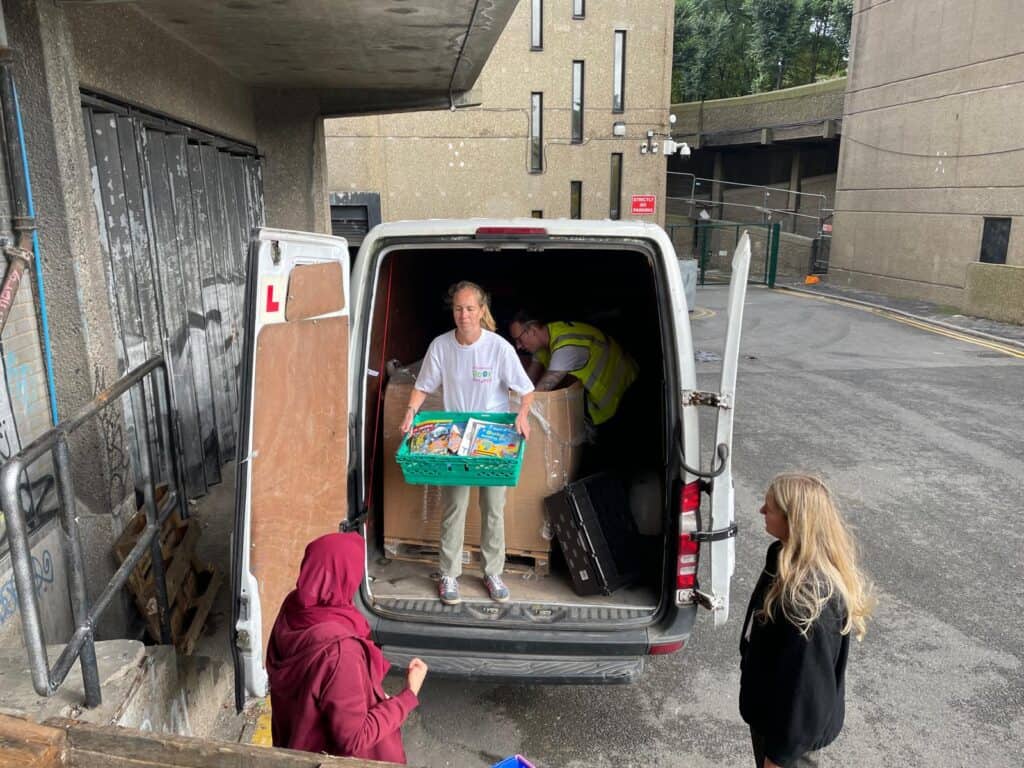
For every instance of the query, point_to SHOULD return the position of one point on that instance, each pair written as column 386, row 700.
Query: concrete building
column 157, row 134
column 930, row 202
column 563, row 108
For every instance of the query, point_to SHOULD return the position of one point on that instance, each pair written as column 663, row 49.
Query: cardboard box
column 413, row 512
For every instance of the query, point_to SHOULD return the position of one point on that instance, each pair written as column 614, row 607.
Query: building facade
column 930, row 202
column 564, row 107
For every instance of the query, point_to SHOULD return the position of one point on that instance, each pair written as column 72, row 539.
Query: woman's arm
column 523, row 417
column 416, row 398
column 354, row 726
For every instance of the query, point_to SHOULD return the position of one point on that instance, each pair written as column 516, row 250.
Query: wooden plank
column 28, row 744
column 300, row 453
column 315, row 289
column 109, row 746
column 199, row 610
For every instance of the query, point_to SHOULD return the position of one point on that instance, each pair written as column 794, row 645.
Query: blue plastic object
column 516, row 761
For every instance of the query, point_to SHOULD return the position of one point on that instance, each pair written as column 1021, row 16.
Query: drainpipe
column 25, row 250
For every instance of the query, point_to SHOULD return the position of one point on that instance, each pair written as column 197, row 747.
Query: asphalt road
column 921, row 438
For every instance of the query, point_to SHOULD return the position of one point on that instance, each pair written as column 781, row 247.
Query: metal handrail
column 766, row 210
column 45, row 679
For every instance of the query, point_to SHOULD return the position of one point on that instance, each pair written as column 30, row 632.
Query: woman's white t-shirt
column 475, row 377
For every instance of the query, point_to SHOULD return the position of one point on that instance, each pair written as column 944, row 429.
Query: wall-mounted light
column 618, row 129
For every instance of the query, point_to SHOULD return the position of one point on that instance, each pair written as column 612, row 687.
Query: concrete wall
column 787, row 107
column 930, row 144
column 111, row 49
column 51, row 589
column 475, row 162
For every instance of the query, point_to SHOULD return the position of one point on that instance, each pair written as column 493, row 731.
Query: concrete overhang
column 355, row 56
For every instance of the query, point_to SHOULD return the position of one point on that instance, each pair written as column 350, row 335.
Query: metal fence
column 803, row 213
column 151, row 376
column 712, row 243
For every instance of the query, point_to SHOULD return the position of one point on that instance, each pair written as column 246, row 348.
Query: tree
column 729, row 48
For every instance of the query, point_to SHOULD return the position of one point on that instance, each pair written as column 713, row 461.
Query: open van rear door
column 293, row 429
column 722, row 536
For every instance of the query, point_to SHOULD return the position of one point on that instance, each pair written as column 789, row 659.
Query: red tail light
column 689, row 550
column 659, row 650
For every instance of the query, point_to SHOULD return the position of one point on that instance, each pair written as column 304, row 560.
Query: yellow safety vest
column 608, row 372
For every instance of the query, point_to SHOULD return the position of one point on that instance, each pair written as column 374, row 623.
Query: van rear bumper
column 536, row 655
column 523, row 668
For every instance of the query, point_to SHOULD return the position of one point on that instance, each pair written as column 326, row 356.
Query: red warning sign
column 642, row 205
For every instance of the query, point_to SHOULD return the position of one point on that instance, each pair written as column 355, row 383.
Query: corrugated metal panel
column 175, row 219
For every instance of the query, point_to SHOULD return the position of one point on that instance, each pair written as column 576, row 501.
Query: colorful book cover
column 500, row 441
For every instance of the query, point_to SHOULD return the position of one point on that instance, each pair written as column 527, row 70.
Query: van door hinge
column 709, row 399
column 703, row 599
column 721, row 534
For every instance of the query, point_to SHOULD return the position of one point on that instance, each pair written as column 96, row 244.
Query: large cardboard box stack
column 412, row 513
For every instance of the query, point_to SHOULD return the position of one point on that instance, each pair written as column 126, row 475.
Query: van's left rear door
column 293, row 429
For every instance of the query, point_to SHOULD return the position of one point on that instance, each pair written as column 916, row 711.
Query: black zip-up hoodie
column 792, row 688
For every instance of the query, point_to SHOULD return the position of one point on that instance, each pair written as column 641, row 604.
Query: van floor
column 407, row 580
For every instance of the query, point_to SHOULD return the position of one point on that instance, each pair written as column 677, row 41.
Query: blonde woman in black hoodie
column 810, row 598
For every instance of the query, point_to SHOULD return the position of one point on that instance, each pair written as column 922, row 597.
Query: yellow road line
column 263, row 735
column 920, row 324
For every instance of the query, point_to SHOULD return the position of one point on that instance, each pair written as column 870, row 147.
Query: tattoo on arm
column 550, row 380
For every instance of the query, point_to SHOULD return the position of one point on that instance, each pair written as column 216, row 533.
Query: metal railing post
column 153, row 520
column 773, row 253
column 72, row 545
column 21, row 559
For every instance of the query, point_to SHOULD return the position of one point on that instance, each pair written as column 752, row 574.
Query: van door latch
column 703, row 599
column 720, row 534
column 709, row 399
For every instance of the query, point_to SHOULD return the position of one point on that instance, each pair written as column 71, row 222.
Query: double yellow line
column 995, row 346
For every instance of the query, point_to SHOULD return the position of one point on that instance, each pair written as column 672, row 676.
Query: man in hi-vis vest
column 579, row 350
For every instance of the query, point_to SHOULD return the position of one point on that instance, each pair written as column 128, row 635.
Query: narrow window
column 577, row 102
column 536, row 132
column 619, row 72
column 537, row 25
column 995, row 240
column 615, row 191
column 536, row 213
column 579, row 9
column 575, row 199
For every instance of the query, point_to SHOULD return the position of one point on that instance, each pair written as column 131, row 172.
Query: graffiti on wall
column 42, row 578
column 37, row 491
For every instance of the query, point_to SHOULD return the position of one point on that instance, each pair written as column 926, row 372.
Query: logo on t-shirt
column 482, row 374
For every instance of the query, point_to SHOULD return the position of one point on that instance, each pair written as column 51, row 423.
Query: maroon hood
column 319, row 612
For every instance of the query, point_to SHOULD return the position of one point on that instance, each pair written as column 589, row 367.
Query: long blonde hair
column 818, row 560
column 486, row 318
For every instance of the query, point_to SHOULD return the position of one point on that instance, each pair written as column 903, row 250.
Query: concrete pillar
column 793, row 203
column 81, row 325
column 294, row 179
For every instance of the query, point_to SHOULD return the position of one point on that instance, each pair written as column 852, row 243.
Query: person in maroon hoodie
column 325, row 671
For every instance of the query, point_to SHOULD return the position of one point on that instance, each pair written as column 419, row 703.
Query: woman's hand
column 523, row 425
column 407, row 421
column 416, row 674
column 416, row 398
column 523, row 417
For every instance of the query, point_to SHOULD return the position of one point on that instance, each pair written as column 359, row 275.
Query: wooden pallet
column 516, row 560
column 191, row 584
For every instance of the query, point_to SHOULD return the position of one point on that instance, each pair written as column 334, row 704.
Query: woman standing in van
column 476, row 368
column 810, row 598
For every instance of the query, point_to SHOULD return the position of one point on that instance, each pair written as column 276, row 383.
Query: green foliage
column 729, row 48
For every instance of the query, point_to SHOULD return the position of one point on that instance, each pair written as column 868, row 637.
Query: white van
column 310, row 445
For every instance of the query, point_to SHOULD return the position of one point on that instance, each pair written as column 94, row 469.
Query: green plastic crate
column 460, row 470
